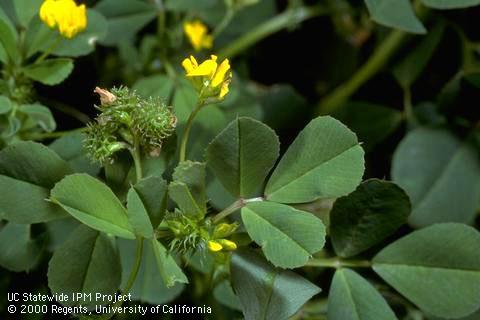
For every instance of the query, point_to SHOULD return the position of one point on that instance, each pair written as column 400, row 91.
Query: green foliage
column 167, row 266
column 410, row 68
column 448, row 4
column 242, row 155
column 149, row 287
column 50, row 72
column 138, row 215
column 124, row 18
column 28, row 171
column 332, row 169
column 441, row 158
column 124, row 203
column 188, row 188
column 351, row 297
column 367, row 216
column 87, row 262
column 372, row 123
column 18, row 250
column 152, row 192
column 92, row 203
column 266, row 292
column 440, row 258
column 278, row 228
column 395, row 13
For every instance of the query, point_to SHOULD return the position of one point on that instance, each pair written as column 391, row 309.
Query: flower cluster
column 210, row 79
column 198, row 35
column 190, row 234
column 218, row 241
column 65, row 15
column 128, row 121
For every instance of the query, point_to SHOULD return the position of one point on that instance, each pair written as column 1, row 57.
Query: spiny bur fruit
column 128, row 121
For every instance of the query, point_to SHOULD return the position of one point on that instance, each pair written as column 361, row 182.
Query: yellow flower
column 209, row 79
column 68, row 17
column 227, row 244
column 198, row 35
column 214, row 246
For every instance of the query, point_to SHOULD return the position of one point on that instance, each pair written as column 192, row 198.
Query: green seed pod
column 153, row 122
column 100, row 144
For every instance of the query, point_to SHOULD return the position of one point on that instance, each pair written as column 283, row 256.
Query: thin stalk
column 139, row 248
column 137, row 159
column 337, row 263
column 49, row 50
column 133, row 274
column 275, row 24
column 240, row 203
column 188, row 127
column 378, row 59
column 224, row 22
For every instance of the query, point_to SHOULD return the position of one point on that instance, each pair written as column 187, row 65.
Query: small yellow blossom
column 209, row 78
column 198, row 35
column 224, row 230
column 65, row 15
column 227, row 244
column 214, row 246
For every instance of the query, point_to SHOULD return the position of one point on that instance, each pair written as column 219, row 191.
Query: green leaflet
column 18, row 250
column 49, row 72
column 450, row 4
column 188, row 188
column 92, row 203
column 124, row 18
column 352, row 297
column 324, row 161
column 138, row 215
column 242, row 155
column 437, row 268
column 87, row 262
column 397, row 14
column 367, row 216
column 425, row 164
column 167, row 266
column 265, row 292
column 149, row 286
column 28, row 170
column 288, row 237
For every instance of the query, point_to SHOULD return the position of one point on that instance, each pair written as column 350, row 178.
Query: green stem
column 188, row 127
column 133, row 274
column 382, row 54
column 139, row 249
column 49, row 50
column 137, row 159
column 240, row 203
column 224, row 22
column 337, row 263
column 275, row 24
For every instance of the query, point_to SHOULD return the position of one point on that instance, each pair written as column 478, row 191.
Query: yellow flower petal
column 214, row 246
column 206, row 68
column 197, row 34
column 224, row 90
column 221, row 73
column 66, row 15
column 188, row 65
column 227, row 244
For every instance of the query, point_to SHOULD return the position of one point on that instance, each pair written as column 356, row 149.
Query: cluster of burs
column 128, row 121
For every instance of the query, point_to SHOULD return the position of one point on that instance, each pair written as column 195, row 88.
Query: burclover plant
column 244, row 223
